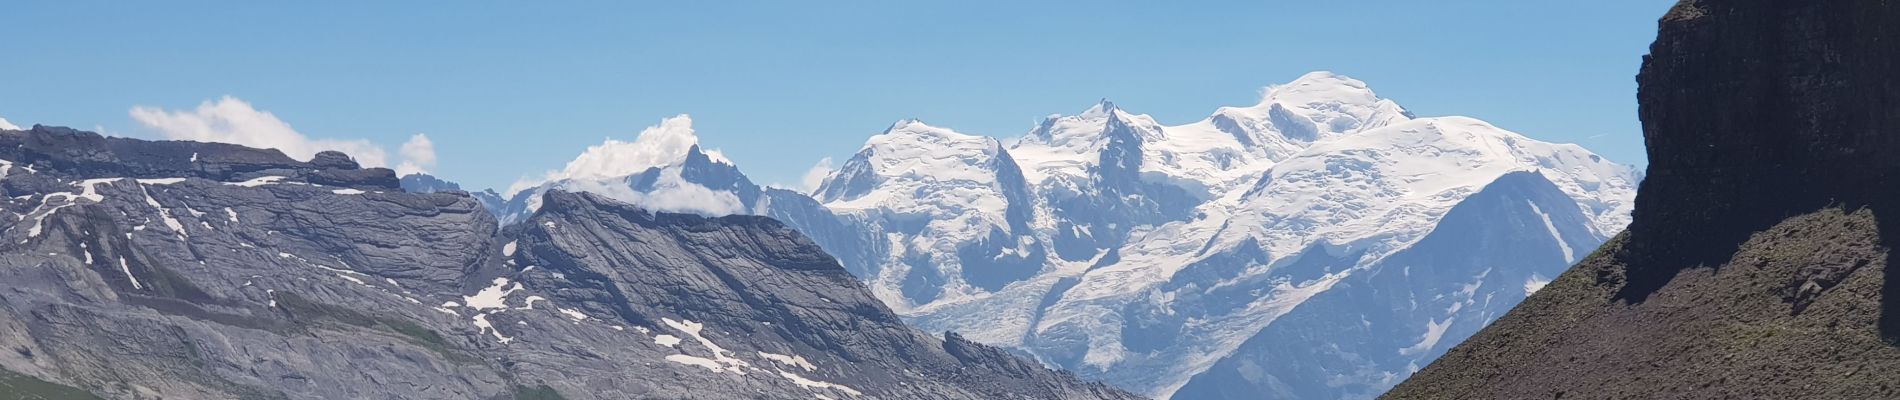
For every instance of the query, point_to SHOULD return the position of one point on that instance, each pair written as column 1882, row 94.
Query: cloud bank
column 418, row 156
column 670, row 193
column 232, row 120
column 656, row 146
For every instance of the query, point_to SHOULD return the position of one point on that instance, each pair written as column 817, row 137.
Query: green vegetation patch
column 14, row 386
column 542, row 392
column 308, row 313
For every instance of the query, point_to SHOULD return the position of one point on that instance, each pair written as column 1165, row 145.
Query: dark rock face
column 187, row 270
column 1756, row 110
column 1756, row 266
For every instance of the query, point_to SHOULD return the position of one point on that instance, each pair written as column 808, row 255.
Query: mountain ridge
column 177, row 269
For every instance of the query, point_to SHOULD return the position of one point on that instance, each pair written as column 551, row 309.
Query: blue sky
column 511, row 89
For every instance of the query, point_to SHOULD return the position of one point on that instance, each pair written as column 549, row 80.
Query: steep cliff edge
column 142, row 269
column 1756, row 265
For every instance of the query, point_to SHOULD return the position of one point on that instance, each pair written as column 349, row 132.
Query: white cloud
column 816, row 175
column 418, row 156
column 658, row 145
column 232, row 120
column 670, row 193
column 8, row 125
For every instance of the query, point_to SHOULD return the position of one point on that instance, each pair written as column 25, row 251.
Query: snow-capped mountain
column 1150, row 255
column 1191, row 249
column 952, row 209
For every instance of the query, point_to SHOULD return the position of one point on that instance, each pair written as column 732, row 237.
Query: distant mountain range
column 1324, row 243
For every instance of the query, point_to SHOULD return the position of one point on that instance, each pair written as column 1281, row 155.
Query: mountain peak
column 1102, row 108
column 1314, row 106
column 913, row 130
column 1321, row 80
column 912, row 126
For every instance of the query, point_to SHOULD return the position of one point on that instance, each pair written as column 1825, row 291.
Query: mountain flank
column 141, row 270
column 1756, row 265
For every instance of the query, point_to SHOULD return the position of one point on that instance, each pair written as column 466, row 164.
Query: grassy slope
column 1727, row 332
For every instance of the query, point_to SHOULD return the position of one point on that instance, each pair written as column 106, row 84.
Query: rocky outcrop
column 1756, row 265
column 188, row 270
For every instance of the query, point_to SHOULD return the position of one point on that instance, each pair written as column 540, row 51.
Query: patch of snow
column 493, row 296
column 352, row 279
column 720, row 354
column 665, row 340
column 1434, row 330
column 813, row 384
column 260, row 181
column 1570, row 256
column 789, row 360
column 481, row 322
column 89, row 190
column 127, row 268
column 573, row 313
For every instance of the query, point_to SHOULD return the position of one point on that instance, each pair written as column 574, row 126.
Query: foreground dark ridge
column 1757, row 264
column 142, row 269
